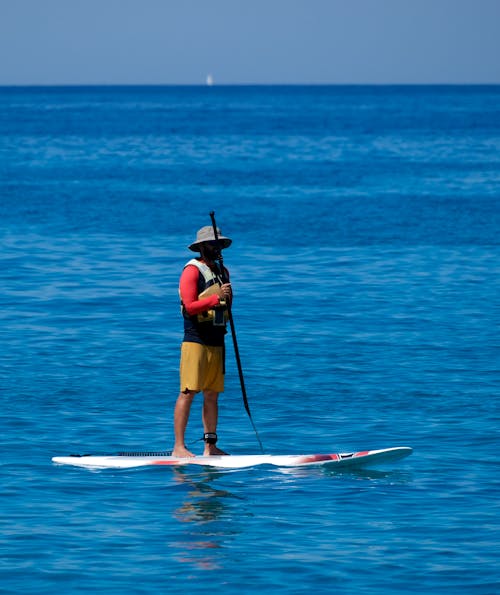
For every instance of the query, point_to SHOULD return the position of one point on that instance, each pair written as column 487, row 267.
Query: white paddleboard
column 363, row 458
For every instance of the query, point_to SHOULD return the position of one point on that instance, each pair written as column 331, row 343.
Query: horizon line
column 446, row 84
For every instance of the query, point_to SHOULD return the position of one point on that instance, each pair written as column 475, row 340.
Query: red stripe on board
column 160, row 462
column 362, row 453
column 318, row 458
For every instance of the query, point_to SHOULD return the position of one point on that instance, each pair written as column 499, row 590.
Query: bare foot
column 211, row 450
column 182, row 452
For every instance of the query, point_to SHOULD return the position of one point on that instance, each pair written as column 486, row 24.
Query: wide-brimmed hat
column 206, row 234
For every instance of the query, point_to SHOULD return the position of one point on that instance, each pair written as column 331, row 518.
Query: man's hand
column 226, row 293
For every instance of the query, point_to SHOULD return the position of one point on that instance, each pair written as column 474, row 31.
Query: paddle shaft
column 220, row 263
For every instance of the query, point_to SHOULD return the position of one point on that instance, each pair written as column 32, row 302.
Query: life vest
column 208, row 284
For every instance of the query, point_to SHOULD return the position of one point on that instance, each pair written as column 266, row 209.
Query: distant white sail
column 210, row 80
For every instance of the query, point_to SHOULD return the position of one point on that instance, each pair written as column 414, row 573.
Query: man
column 204, row 300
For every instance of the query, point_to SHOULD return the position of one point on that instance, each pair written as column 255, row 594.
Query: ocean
column 365, row 267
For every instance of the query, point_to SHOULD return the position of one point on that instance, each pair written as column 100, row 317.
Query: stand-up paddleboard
column 363, row 458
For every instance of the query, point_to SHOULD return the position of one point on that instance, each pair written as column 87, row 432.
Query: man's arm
column 188, row 286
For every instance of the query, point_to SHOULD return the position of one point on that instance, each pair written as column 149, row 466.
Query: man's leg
column 181, row 417
column 210, row 415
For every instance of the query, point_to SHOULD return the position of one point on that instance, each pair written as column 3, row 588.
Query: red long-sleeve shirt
column 188, row 286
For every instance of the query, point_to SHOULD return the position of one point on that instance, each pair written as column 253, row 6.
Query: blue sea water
column 365, row 265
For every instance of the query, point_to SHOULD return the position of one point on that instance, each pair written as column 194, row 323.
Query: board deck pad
column 125, row 460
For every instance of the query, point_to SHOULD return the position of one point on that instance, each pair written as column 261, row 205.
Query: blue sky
column 249, row 41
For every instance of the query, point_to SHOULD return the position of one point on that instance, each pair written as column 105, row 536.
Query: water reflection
column 204, row 502
column 395, row 476
column 208, row 519
column 390, row 477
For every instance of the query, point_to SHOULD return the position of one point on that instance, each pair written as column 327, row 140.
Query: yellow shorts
column 202, row 367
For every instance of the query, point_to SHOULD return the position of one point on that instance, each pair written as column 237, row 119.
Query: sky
column 179, row 42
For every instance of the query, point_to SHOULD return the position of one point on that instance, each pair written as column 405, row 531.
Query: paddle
column 220, row 263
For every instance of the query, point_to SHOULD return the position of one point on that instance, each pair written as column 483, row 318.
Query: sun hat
column 206, row 234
